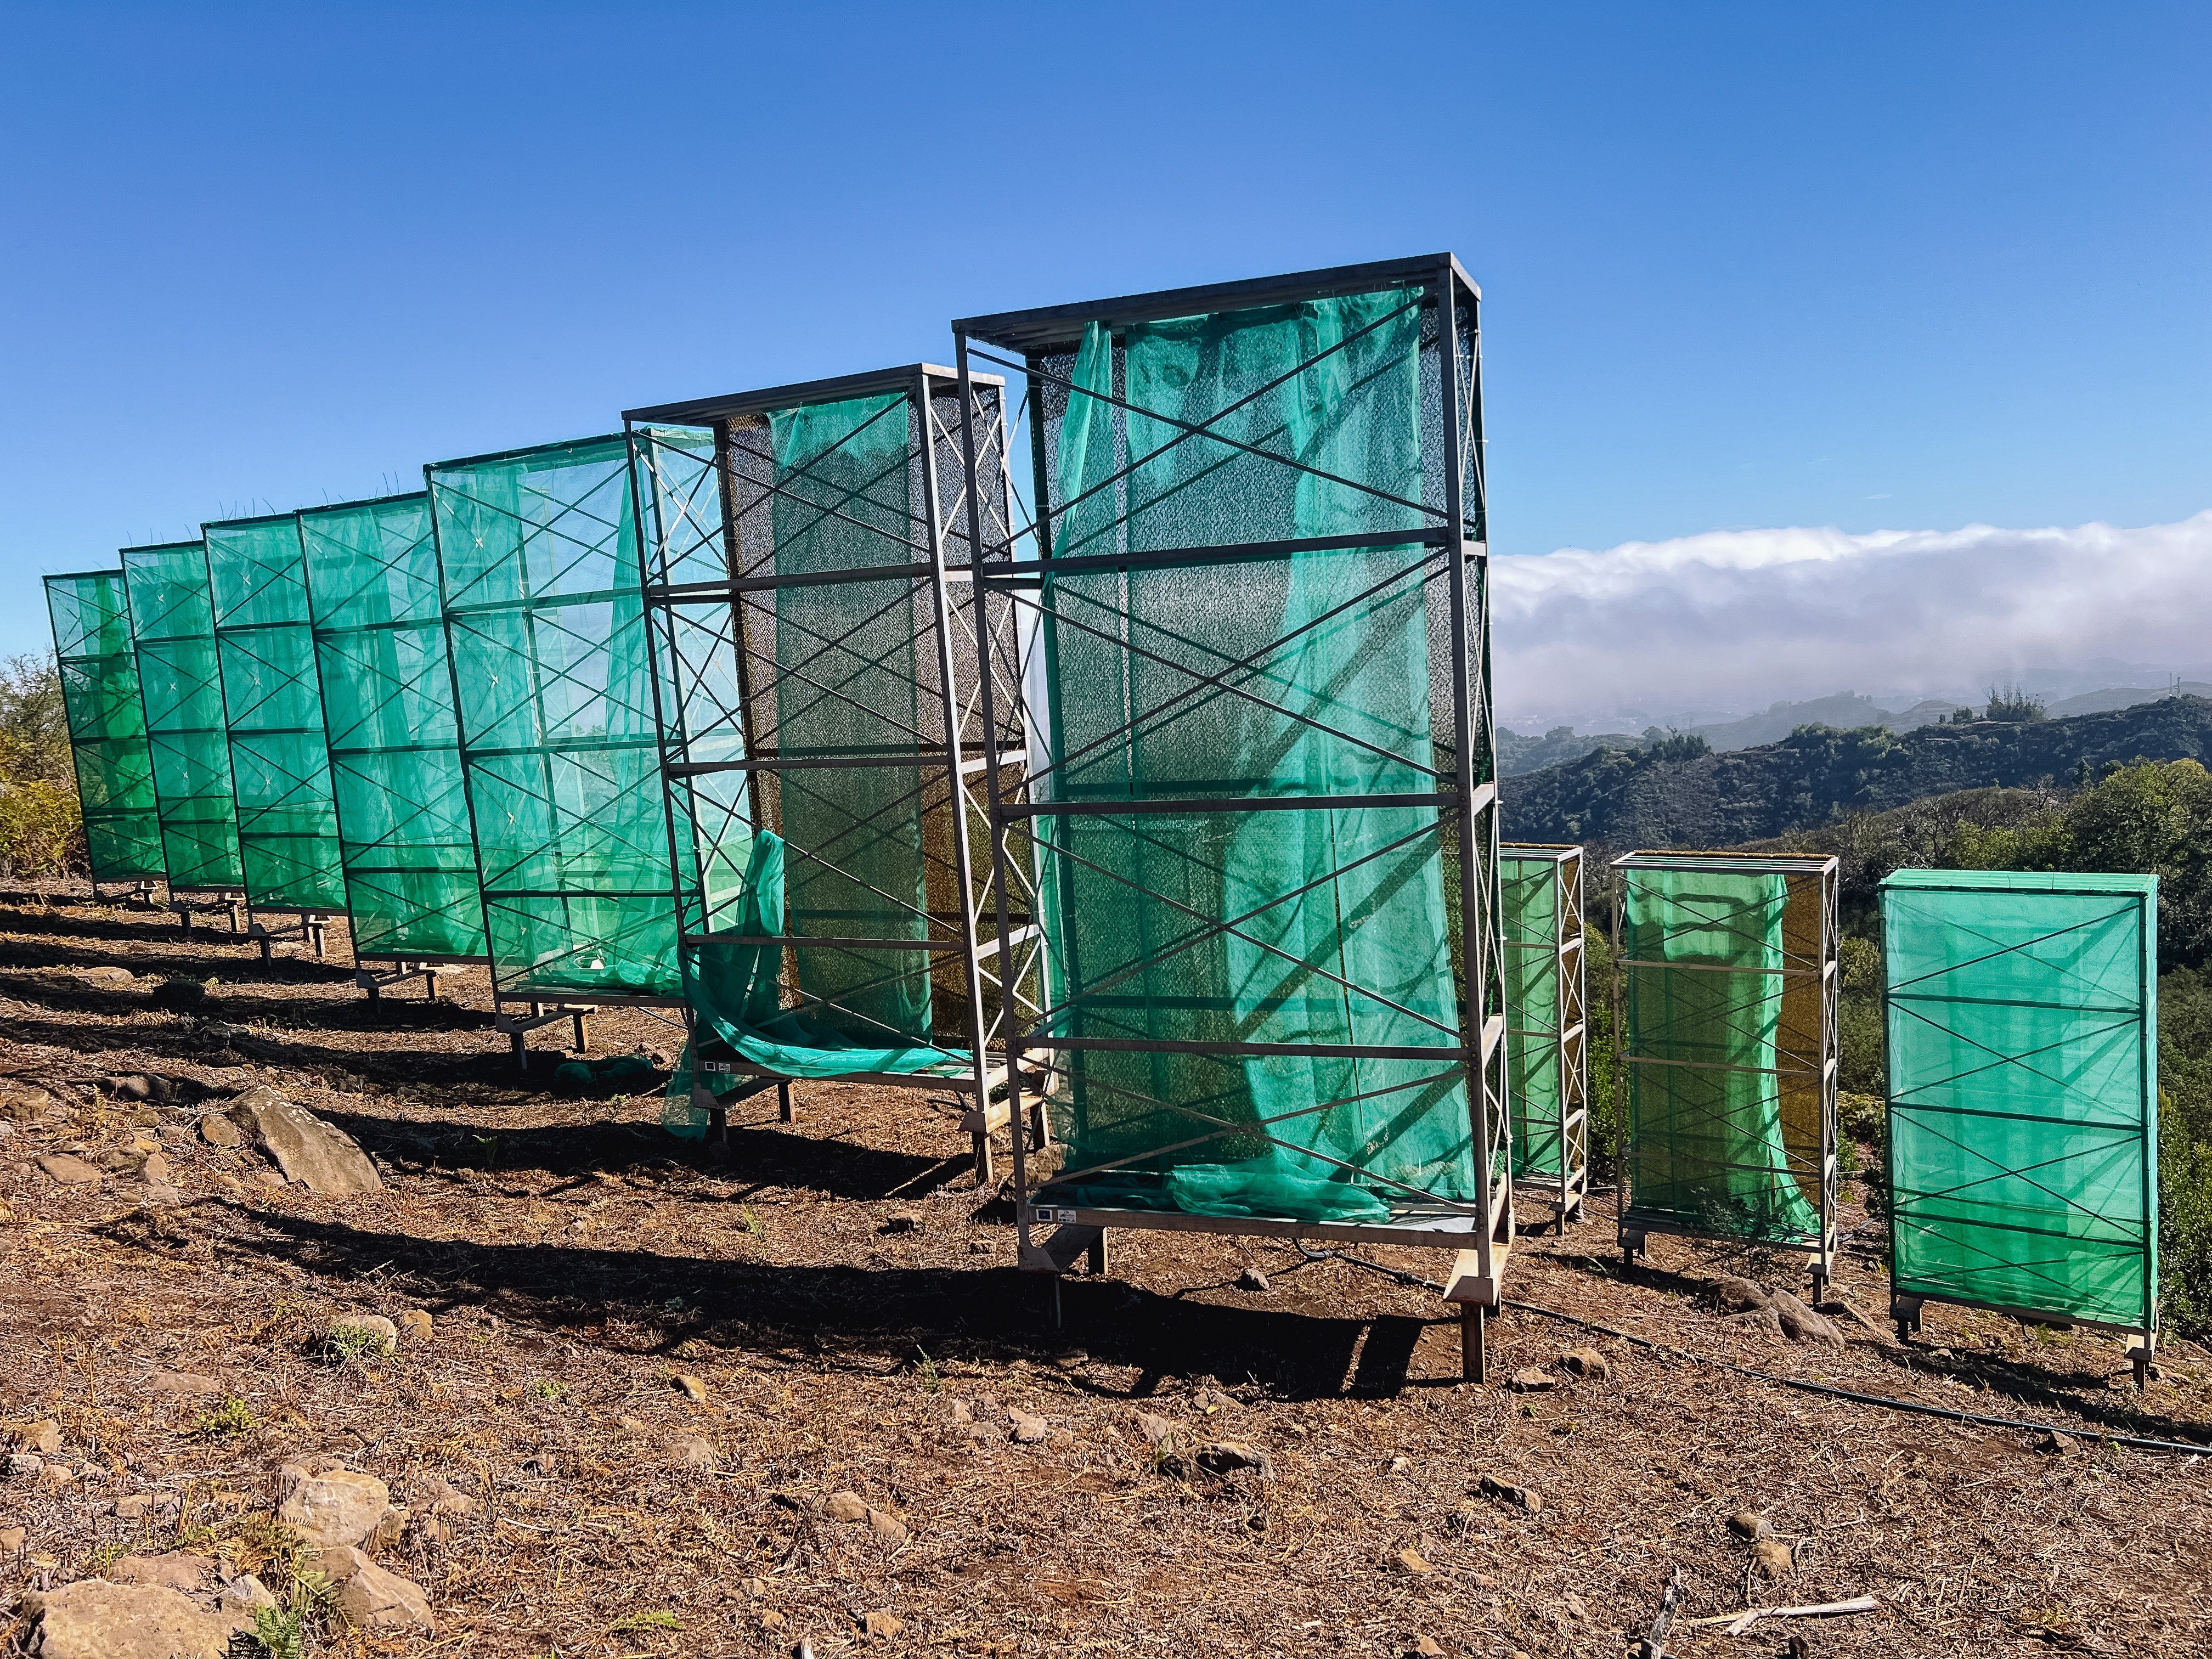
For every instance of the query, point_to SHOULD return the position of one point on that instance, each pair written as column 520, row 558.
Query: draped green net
column 280, row 763
column 2022, row 1029
column 545, row 614
column 114, row 766
column 1703, row 953
column 1267, row 678
column 851, row 862
column 173, row 628
column 1529, row 920
column 403, row 840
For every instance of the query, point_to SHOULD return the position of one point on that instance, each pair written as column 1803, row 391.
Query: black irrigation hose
column 2133, row 1443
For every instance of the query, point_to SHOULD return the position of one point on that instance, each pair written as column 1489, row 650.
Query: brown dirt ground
column 576, row 1260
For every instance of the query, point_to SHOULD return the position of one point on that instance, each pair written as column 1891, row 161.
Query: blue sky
column 1868, row 266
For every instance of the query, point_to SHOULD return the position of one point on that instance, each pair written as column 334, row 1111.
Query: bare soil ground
column 576, row 1261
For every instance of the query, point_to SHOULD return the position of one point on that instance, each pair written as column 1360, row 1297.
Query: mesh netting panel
column 280, row 762
column 106, row 724
column 403, row 815
column 546, row 624
column 1273, row 677
column 2022, row 1014
column 173, row 629
column 1528, row 924
column 1710, row 1045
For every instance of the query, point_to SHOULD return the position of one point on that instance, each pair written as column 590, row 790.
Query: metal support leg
column 984, row 1173
column 317, row 928
column 429, row 985
column 718, row 1127
column 521, row 1051
column 236, row 925
column 1096, row 1254
column 1040, row 1126
column 784, row 1111
column 266, row 942
column 1474, row 1365
column 583, row 1033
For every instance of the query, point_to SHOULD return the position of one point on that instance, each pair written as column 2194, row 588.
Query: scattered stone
column 95, row 1619
column 327, row 1503
column 1739, row 1293
column 1210, row 1400
column 845, row 1506
column 160, row 1195
column 25, row 1466
column 1530, row 1380
column 981, row 1246
column 67, row 1170
column 189, row 1384
column 1254, row 1280
column 42, row 1437
column 691, row 1387
column 1028, row 1430
column 155, row 1168
column 1227, row 1456
column 1428, row 1647
column 902, row 1221
column 1587, row 1363
column 318, row 1156
column 889, row 1528
column 2056, row 1443
column 883, row 1626
column 177, row 1570
column 962, row 1411
column 1398, row 1466
column 1576, row 1608
column 417, row 1323
column 55, row 1476
column 245, row 1595
column 690, row 1451
column 1157, row 1429
column 1750, row 1525
column 1521, row 1497
column 440, row 1495
column 353, row 1334
column 1800, row 1324
column 107, row 975
column 217, row 1130
column 373, row 1598
column 753, row 1587
column 1771, row 1557
column 1407, row 1560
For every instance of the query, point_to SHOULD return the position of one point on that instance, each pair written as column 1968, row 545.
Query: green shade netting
column 106, row 721
column 1529, row 921
column 546, row 627
column 1703, row 951
column 1321, row 924
column 2022, row 1026
column 280, row 761
column 403, row 814
column 173, row 631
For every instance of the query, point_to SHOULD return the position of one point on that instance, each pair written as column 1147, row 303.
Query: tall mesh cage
column 108, row 750
column 2021, row 1016
column 172, row 629
column 808, row 577
column 545, row 636
column 1724, row 985
column 1257, row 794
column 280, row 761
column 1541, row 925
column 402, row 813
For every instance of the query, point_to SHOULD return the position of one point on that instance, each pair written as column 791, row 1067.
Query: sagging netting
column 113, row 764
column 1722, row 1045
column 1222, row 681
column 545, row 623
column 2023, row 1027
column 402, row 813
column 173, row 632
column 1534, row 917
column 280, row 762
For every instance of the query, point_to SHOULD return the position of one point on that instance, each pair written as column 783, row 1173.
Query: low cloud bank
column 1738, row 619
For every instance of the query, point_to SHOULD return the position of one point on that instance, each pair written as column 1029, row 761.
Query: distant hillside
column 1670, row 794
column 1517, row 754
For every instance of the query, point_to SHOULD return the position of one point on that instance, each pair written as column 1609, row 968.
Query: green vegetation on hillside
column 41, row 829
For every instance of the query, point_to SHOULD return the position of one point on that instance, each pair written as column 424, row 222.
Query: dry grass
column 575, row 1259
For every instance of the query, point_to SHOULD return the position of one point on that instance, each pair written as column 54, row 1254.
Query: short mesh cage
column 822, row 746
column 280, row 762
column 1258, row 795
column 1724, row 979
column 545, row 621
column 114, row 765
column 2022, row 1034
column 1541, row 925
column 403, row 815
column 172, row 627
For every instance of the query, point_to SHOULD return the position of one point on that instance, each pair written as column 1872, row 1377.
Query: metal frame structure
column 174, row 644
column 377, row 630
column 1810, row 913
column 1566, row 1040
column 1905, row 1305
column 265, row 658
column 737, row 649
column 571, row 569
column 1448, row 549
column 106, row 763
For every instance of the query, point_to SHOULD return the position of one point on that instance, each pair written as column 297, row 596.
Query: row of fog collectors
column 1164, row 825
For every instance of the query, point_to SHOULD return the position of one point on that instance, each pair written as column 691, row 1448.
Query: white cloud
column 1737, row 619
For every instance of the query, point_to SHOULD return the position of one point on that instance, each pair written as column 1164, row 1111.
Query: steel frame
column 1822, row 969
column 2142, row 1340
column 1567, row 1190
column 1450, row 549
column 546, row 1002
column 91, row 664
column 713, row 580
